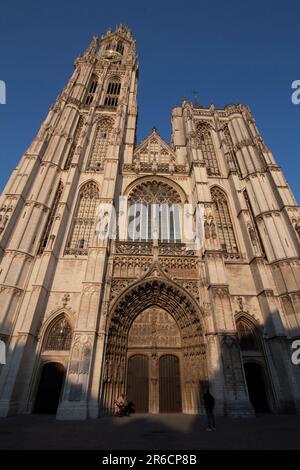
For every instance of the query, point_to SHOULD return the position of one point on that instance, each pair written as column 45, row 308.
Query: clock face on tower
column 111, row 55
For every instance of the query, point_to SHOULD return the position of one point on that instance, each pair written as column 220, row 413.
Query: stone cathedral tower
column 85, row 317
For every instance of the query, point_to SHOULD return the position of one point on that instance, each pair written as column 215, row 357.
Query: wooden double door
column 158, row 392
column 153, row 363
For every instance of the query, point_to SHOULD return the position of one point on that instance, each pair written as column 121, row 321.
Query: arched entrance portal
column 255, row 364
column 153, row 319
column 49, row 389
column 153, row 374
column 256, row 387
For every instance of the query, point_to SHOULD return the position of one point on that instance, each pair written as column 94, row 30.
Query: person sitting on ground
column 120, row 405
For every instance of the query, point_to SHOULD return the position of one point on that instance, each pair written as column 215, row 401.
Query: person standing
column 209, row 404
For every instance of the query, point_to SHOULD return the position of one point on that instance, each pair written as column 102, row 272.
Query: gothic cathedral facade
column 85, row 317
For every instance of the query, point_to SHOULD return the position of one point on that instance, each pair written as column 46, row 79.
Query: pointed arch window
column 91, row 90
column 59, row 336
column 74, row 144
column 83, row 225
column 154, row 212
column 120, row 47
column 247, row 335
column 112, row 94
column 100, row 145
column 223, row 220
column 50, row 219
column 207, row 147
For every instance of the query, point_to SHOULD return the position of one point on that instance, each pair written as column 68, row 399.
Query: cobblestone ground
column 150, row 432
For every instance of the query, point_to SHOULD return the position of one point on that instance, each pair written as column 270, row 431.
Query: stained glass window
column 154, row 212
column 59, row 336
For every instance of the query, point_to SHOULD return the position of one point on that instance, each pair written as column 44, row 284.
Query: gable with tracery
column 154, row 155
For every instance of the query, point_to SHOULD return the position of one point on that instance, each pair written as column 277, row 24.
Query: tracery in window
column 223, row 221
column 112, row 94
column 83, row 226
column 59, row 337
column 100, row 145
column 91, row 90
column 154, row 212
column 207, row 147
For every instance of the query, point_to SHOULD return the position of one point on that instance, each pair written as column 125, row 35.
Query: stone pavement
column 150, row 432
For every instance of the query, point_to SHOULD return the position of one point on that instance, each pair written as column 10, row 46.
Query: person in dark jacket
column 209, row 404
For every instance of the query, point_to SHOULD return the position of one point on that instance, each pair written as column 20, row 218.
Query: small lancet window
column 91, row 91
column 120, row 47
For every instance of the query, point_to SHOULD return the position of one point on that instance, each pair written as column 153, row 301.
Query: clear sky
column 233, row 51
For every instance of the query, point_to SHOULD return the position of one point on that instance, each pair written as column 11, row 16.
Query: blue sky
column 229, row 51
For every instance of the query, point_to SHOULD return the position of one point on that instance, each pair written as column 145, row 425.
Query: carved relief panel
column 154, row 328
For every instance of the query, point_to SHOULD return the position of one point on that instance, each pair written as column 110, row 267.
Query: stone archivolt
column 158, row 293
